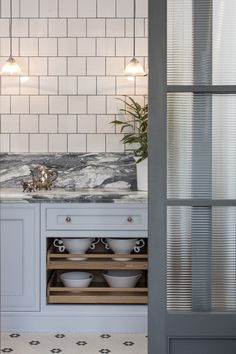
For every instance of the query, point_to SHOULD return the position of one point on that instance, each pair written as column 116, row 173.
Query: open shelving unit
column 99, row 292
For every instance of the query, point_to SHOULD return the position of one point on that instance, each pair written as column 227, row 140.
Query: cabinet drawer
column 96, row 218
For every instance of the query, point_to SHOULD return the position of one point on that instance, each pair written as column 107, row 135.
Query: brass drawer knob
column 68, row 219
column 130, row 219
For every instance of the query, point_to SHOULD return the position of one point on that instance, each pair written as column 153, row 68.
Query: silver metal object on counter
column 43, row 177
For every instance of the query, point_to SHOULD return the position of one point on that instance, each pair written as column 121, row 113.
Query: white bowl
column 122, row 278
column 77, row 245
column 122, row 246
column 76, row 279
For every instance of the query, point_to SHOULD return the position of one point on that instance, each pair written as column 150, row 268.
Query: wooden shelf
column 97, row 294
column 95, row 261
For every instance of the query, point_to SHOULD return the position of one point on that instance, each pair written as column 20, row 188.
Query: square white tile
column 4, row 143
column 4, row 104
column 38, row 104
column 38, row 143
column 29, row 8
column 29, row 85
column 87, row 123
column 106, row 8
column 141, row 47
column 10, row 85
column 87, row 8
column 106, row 47
column 95, row 66
column 124, row 47
column 29, row 47
column 77, row 104
column 141, row 85
column 113, row 143
column 57, row 104
column 115, row 66
column 68, row 85
column 57, row 27
column 38, row 27
column 106, row 85
column 96, row 143
column 96, row 27
column 29, row 123
column 48, row 85
column 38, row 66
column 57, row 142
column 57, row 66
column 141, row 8
column 19, row 104
column 10, row 123
column 4, row 27
column 19, row 143
column 87, row 85
column 48, row 8
column 47, row 47
column 86, row 47
column 76, row 142
column 124, row 85
column 115, row 27
column 67, row 47
column 96, row 104
column 125, row 8
column 76, row 66
column 67, row 124
column 48, row 123
column 19, row 27
column 104, row 124
column 67, row 9
column 77, row 27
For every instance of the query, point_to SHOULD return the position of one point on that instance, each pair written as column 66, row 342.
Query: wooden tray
column 95, row 261
column 97, row 294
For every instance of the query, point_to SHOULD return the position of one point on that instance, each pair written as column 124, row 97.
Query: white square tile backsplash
column 72, row 54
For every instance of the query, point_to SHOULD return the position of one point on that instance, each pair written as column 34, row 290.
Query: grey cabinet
column 19, row 239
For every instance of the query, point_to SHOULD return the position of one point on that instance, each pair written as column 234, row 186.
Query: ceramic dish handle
column 59, row 245
column 139, row 276
column 104, row 242
column 94, row 243
column 139, row 244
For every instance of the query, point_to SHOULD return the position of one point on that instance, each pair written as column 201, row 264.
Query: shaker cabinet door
column 19, row 257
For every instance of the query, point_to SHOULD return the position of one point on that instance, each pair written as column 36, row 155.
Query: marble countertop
column 58, row 195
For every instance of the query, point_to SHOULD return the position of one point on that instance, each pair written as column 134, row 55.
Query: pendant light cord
column 134, row 30
column 10, row 28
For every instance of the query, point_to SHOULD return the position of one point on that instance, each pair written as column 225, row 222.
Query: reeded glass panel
column 179, row 42
column 201, row 259
column 224, row 39
column 201, row 146
column 201, row 37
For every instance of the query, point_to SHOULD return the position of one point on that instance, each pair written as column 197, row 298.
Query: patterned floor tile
column 73, row 343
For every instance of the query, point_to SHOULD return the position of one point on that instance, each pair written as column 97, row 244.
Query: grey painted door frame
column 174, row 332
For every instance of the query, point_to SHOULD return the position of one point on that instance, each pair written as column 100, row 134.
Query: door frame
column 164, row 326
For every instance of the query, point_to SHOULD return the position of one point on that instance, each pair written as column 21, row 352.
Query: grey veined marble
column 110, row 171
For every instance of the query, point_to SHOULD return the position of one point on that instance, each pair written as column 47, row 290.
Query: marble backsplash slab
column 75, row 171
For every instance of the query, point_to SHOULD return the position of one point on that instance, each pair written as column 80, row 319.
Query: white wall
column 72, row 53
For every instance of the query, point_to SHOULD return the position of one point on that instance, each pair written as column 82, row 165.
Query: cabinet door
column 19, row 257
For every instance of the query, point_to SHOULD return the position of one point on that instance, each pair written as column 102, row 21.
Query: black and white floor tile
column 73, row 343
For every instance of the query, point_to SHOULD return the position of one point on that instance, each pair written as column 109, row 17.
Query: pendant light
column 11, row 67
column 134, row 67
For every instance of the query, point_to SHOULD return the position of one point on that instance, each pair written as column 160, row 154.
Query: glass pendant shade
column 134, row 68
column 11, row 67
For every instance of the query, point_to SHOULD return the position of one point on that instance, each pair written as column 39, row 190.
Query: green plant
column 138, row 122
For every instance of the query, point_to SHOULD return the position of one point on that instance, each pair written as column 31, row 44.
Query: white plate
column 76, row 259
